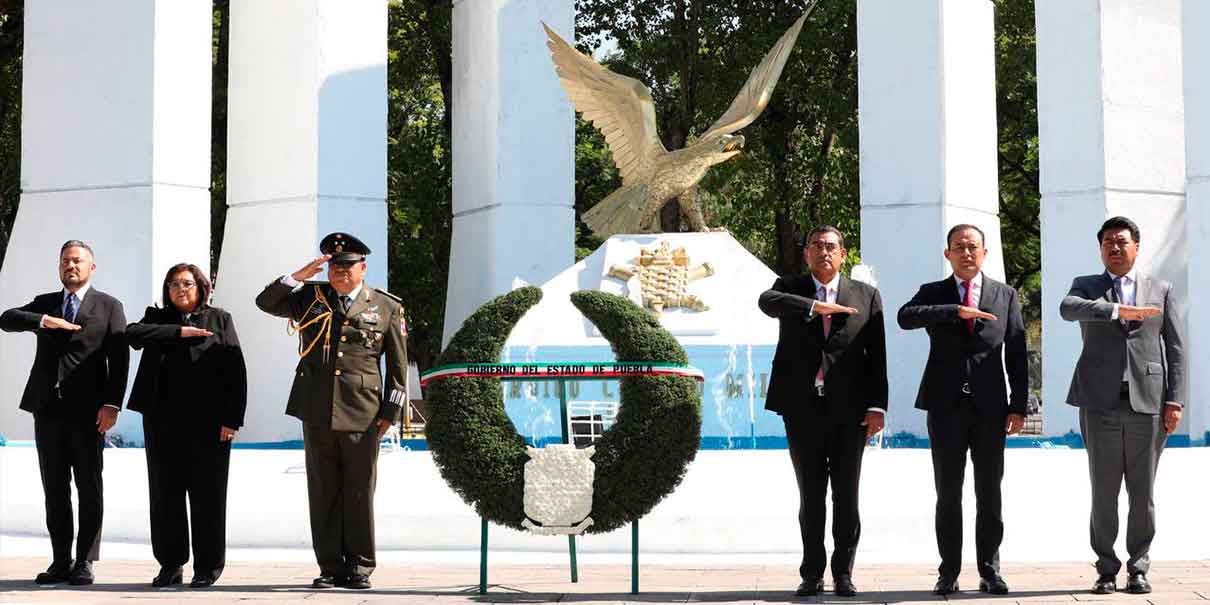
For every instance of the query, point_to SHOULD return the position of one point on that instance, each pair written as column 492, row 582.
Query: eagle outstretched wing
column 757, row 91
column 620, row 107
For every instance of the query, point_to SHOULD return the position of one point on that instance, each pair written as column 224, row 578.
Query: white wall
column 1197, row 161
column 513, row 145
column 306, row 156
column 1111, row 131
column 926, row 95
column 115, row 151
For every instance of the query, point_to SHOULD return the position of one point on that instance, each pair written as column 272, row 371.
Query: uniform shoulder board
column 389, row 295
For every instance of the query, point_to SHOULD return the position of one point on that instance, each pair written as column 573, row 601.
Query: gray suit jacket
column 1152, row 349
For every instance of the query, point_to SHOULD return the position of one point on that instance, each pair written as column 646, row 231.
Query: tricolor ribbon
column 566, row 369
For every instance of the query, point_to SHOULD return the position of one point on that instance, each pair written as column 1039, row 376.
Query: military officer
column 342, row 397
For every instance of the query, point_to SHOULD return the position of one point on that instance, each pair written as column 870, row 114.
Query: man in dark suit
column 829, row 384
column 345, row 328
column 975, row 332
column 1129, row 384
column 75, row 391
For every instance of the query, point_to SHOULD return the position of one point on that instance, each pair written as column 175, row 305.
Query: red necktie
column 969, row 301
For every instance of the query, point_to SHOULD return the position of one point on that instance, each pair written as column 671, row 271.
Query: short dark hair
column 963, row 227
column 1116, row 223
column 203, row 284
column 75, row 243
column 823, row 229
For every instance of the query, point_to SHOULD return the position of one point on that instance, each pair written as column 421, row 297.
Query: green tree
column 1017, row 117
column 11, row 39
column 419, row 166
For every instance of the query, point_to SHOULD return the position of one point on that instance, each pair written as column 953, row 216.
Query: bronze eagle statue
column 623, row 110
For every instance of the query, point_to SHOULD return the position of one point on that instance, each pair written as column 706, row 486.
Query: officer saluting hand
column 342, row 397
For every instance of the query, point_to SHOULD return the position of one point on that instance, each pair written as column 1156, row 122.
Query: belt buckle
column 966, row 388
column 819, row 390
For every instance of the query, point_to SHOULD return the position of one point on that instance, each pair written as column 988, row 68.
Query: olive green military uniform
column 339, row 393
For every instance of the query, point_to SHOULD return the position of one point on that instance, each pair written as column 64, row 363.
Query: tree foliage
column 12, row 14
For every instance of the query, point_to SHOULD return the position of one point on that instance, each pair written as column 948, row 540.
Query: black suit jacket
column 856, row 379
column 213, row 380
column 957, row 356
column 74, row 373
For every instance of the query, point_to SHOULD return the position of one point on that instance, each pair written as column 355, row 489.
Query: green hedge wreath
column 639, row 460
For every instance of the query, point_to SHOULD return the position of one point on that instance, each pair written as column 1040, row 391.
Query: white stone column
column 514, row 159
column 1197, row 161
column 1111, row 133
column 115, row 151
column 926, row 95
column 306, row 155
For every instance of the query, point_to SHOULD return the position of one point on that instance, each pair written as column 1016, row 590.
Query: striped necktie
column 71, row 307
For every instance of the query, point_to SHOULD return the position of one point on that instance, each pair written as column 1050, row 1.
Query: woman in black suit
column 191, row 388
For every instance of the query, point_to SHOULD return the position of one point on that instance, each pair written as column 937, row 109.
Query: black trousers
column 70, row 447
column 341, row 475
column 186, row 461
column 824, row 451
column 953, row 432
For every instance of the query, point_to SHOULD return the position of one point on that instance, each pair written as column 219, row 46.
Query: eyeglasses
column 824, row 246
column 181, row 285
column 968, row 249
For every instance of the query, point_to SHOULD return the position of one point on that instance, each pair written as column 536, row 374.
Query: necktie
column 70, row 308
column 345, row 302
column 1120, row 294
column 827, row 327
column 968, row 300
column 1119, row 291
column 827, row 319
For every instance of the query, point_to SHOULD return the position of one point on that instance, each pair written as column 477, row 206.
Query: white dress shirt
column 976, row 286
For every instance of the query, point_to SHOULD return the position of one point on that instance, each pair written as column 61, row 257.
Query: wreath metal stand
column 571, row 539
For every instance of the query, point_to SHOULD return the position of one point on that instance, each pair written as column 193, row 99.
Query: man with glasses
column 339, row 393
column 1129, row 384
column 75, row 391
column 975, row 332
column 829, row 384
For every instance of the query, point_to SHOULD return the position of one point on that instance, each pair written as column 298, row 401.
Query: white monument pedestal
column 732, row 342
column 306, row 155
column 926, row 93
column 115, row 131
column 1111, row 131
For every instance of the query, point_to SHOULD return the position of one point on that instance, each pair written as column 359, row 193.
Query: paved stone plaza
column 126, row 581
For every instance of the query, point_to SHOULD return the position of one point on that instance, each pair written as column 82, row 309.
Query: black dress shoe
column 168, row 576
column 843, row 587
column 993, row 584
column 1138, row 584
column 945, row 586
column 357, row 581
column 203, row 580
column 81, row 574
column 56, row 573
column 809, row 587
column 1105, row 584
column 324, row 581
